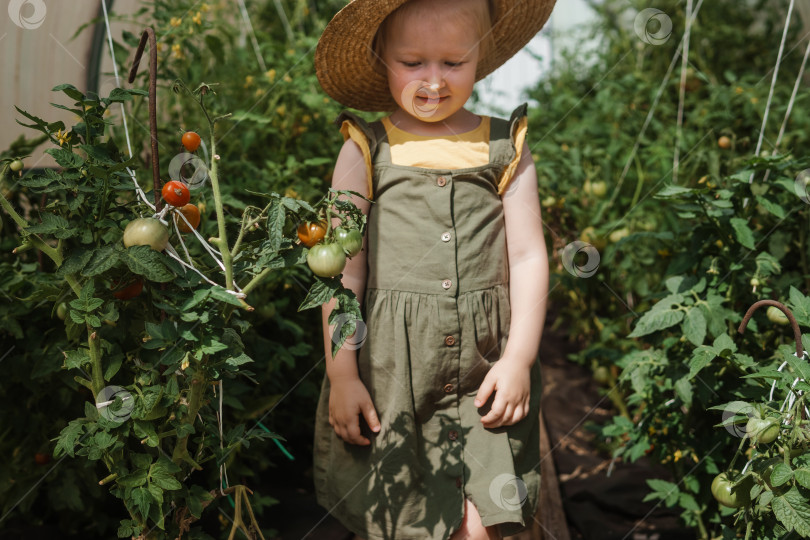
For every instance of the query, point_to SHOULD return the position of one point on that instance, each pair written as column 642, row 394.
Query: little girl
column 428, row 427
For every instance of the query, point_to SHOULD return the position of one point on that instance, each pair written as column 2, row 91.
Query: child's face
column 431, row 62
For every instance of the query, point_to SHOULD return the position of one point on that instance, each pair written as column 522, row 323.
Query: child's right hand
column 348, row 398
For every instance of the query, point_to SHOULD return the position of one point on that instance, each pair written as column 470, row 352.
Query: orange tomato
column 310, row 233
column 192, row 214
column 191, row 141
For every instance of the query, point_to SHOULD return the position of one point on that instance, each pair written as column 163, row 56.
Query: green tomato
column 733, row 497
column 618, row 234
column 326, row 260
column 350, row 240
column 762, row 430
column 599, row 189
column 776, row 315
column 602, row 375
column 146, row 232
column 61, row 310
column 16, row 165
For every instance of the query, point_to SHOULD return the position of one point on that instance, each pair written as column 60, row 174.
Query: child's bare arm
column 528, row 262
column 349, row 397
column 528, row 288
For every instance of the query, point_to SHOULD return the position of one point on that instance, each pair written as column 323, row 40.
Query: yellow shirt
column 468, row 149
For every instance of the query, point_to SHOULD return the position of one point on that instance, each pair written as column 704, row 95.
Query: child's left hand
column 511, row 404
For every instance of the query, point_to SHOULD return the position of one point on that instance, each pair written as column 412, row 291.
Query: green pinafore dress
column 437, row 314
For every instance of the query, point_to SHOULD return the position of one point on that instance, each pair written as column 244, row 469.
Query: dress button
column 441, row 181
column 458, row 482
column 448, row 388
column 453, row 435
column 447, row 283
column 449, row 341
column 446, row 237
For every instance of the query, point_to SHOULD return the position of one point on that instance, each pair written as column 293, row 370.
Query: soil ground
column 597, row 506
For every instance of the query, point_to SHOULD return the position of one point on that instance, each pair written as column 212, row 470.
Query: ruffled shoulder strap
column 509, row 136
column 355, row 128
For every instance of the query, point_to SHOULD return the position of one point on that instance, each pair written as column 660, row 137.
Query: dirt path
column 597, row 506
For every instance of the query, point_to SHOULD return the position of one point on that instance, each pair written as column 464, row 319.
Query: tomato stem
column 96, row 372
column 180, row 452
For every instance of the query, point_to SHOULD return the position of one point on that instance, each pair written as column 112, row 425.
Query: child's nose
column 435, row 78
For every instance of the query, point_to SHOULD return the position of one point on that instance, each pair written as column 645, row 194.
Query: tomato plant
column 164, row 350
column 176, row 193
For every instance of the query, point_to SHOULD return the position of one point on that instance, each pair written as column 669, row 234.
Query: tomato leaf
column 683, row 389
column 238, row 360
column 802, row 477
column 781, row 474
column 101, row 260
column 321, row 292
column 161, row 474
column 792, row 510
column 133, row 479
column 142, row 499
column 743, row 233
column 69, row 90
column 655, row 320
column 86, row 301
column 74, row 262
column 694, row 326
column 65, row 158
column 146, row 262
column 276, row 218
column 799, row 365
column 800, row 306
column 54, row 225
column 76, row 359
column 221, row 294
column 68, row 437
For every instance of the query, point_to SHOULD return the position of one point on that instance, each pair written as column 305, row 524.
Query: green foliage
column 683, row 258
column 168, row 344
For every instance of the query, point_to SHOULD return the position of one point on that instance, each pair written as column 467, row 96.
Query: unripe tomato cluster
column 328, row 259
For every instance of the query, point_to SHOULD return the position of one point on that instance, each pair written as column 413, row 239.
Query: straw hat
column 344, row 53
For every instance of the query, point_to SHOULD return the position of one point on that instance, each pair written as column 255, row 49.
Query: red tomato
column 41, row 458
column 176, row 193
column 191, row 141
column 128, row 291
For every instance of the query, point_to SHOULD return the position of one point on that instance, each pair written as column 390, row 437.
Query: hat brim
column 343, row 56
